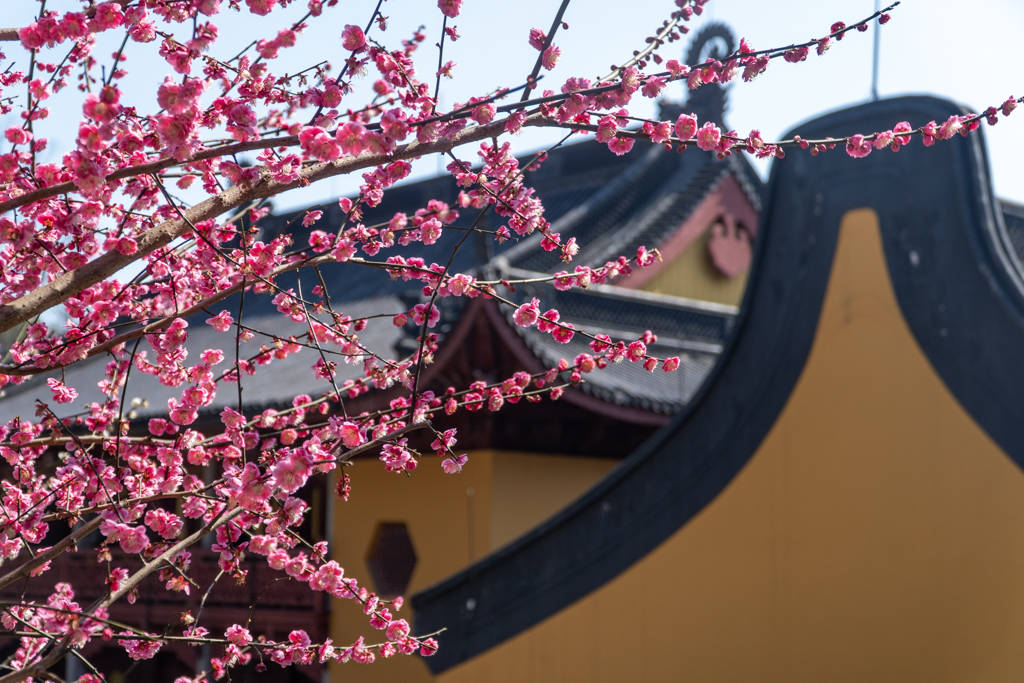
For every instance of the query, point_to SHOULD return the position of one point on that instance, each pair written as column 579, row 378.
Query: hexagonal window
column 391, row 558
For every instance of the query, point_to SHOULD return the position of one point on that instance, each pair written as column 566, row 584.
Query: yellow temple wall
column 692, row 275
column 877, row 534
column 452, row 520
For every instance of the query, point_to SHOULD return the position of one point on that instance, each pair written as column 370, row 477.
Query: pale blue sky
column 964, row 51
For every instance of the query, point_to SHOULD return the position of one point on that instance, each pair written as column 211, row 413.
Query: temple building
column 528, row 461
column 843, row 499
column 827, row 489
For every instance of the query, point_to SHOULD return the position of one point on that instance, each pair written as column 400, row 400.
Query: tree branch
column 62, row 545
column 531, row 80
column 70, row 283
column 128, row 584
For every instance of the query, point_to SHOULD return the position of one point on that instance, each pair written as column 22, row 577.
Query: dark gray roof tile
column 271, row 385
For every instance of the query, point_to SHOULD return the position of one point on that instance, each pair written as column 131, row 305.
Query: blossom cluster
column 101, row 230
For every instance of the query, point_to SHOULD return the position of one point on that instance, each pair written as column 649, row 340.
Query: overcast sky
column 964, row 51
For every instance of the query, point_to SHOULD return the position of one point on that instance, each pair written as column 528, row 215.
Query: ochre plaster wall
column 687, row 270
column 452, row 521
column 692, row 275
column 530, row 487
column 876, row 535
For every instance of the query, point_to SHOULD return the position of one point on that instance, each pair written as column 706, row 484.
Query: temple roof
column 955, row 274
column 642, row 206
column 610, row 203
column 692, row 330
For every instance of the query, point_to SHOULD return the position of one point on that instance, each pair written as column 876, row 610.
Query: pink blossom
column 796, row 54
column 278, row 558
column 550, row 57
column 31, row 37
column 444, row 441
column 157, row 426
column 546, row 322
column 17, row 135
column 527, row 314
column 299, row 568
column 311, row 217
column 621, row 145
column 349, row 433
column 686, row 126
column 708, row 136
column 138, row 648
column 221, row 322
column 327, row 577
column 658, row 132
column 630, row 80
column 394, row 124
column 232, row 419
column 857, row 147
column 179, row 98
column 537, row 38
column 585, row 362
column 670, row 364
column 142, row 31
column 901, row 134
column 453, row 465
column 318, row 143
column 430, row 231
column 646, row 257
column 352, row 38
column 607, row 126
column 450, row 8
column 239, row 635
column 133, row 539
column 929, row 131
column 676, row 69
column 564, row 333
column 636, row 351
column 261, row 7
column 163, row 523
column 883, row 139
column 352, row 137
column 292, row 470
column 425, row 313
column 108, row 15
column 515, row 122
column 397, row 629
column 949, row 128
column 397, row 458
column 653, row 86
column 343, row 250
column 299, row 638
column 62, row 393
column 484, row 113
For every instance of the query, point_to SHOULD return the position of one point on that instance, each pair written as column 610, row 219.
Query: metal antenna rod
column 874, row 62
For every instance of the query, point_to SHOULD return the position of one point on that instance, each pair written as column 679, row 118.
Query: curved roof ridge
column 574, row 217
column 625, row 293
column 748, row 179
column 937, row 217
column 1009, row 218
column 668, row 209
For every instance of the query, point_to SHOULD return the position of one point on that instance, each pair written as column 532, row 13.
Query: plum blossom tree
column 102, row 230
